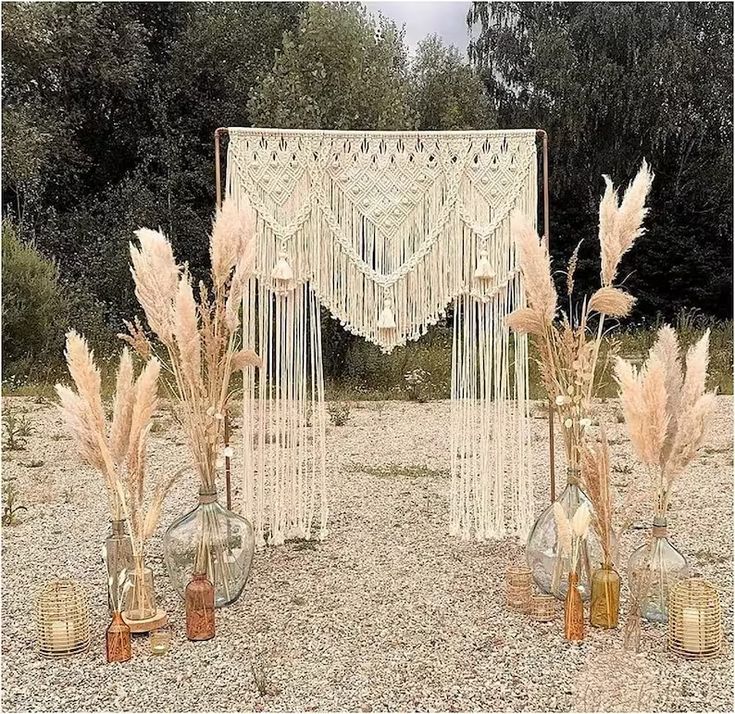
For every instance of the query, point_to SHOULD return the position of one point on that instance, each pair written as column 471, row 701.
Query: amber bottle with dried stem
column 595, row 476
column 572, row 535
column 118, row 637
column 199, row 598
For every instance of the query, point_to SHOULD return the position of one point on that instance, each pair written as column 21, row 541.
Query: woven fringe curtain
column 386, row 230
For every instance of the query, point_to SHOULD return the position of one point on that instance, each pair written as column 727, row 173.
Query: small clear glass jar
column 653, row 569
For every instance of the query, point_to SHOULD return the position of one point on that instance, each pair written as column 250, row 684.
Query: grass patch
column 398, row 471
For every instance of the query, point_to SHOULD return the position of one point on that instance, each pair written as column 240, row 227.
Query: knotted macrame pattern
column 386, row 230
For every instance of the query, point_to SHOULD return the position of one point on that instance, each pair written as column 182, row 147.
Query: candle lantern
column 62, row 619
column 695, row 619
column 518, row 588
column 544, row 608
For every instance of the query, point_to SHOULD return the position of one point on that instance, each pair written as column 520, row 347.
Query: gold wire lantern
column 544, row 608
column 695, row 619
column 518, row 590
column 62, row 619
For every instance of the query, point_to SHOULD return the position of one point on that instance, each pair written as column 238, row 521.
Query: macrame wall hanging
column 386, row 230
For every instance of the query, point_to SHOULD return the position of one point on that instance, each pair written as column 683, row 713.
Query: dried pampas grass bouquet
column 568, row 338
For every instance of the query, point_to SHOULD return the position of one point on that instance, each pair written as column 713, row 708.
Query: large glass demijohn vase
column 212, row 540
column 653, row 569
column 549, row 567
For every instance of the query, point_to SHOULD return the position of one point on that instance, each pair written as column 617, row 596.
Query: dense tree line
column 109, row 112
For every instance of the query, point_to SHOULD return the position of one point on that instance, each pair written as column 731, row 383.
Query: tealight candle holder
column 160, row 641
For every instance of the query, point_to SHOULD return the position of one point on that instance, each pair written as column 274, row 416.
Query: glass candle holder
column 160, row 641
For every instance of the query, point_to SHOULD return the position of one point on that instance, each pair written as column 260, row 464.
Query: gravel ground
column 387, row 613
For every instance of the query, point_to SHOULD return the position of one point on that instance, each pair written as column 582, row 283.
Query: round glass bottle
column 549, row 566
column 118, row 555
column 212, row 540
column 653, row 569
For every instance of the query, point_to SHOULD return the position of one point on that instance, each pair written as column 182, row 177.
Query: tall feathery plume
column 122, row 407
column 156, row 278
column 620, row 226
column 536, row 268
column 201, row 358
column 186, row 331
column 665, row 412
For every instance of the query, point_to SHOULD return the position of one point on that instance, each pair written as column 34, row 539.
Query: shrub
column 32, row 302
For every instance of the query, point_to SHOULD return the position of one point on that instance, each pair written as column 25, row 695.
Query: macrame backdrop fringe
column 385, row 230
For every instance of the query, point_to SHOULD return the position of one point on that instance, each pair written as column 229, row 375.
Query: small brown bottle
column 199, row 597
column 118, row 641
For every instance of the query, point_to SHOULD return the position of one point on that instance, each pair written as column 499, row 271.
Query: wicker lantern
column 518, row 588
column 544, row 608
column 695, row 619
column 62, row 619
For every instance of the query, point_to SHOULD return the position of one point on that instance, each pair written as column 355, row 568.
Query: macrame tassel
column 282, row 273
column 386, row 321
column 484, row 271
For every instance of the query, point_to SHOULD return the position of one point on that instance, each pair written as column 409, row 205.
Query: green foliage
column 16, row 427
column 339, row 413
column 10, row 495
column 613, row 83
column 32, row 302
column 446, row 93
column 368, row 373
column 339, row 69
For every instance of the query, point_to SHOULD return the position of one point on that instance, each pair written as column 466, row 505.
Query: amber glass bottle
column 118, row 640
column 573, row 610
column 199, row 597
column 605, row 600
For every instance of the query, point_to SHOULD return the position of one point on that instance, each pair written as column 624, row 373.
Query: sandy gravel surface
column 388, row 613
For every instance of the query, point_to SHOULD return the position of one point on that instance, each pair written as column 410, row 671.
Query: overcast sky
column 446, row 19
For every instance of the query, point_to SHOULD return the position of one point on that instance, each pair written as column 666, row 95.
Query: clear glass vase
column 118, row 555
column 549, row 567
column 212, row 540
column 653, row 569
column 140, row 602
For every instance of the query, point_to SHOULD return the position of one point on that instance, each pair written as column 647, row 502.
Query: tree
column 614, row 83
column 446, row 93
column 339, row 69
